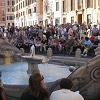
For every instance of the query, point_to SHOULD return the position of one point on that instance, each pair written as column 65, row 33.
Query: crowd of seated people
column 63, row 39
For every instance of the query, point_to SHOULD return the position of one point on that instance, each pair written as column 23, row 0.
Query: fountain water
column 16, row 74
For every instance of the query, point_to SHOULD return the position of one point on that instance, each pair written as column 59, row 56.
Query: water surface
column 16, row 74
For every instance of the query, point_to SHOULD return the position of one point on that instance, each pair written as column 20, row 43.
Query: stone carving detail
column 86, row 79
column 95, row 73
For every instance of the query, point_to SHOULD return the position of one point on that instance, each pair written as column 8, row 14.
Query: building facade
column 28, row 12
column 83, row 11
column 10, row 12
column 2, row 13
column 80, row 11
column 31, row 12
column 6, row 12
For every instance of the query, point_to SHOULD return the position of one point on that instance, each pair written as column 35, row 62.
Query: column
column 94, row 4
column 85, row 3
column 76, row 4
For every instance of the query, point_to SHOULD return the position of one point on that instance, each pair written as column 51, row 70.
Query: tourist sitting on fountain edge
column 36, row 89
column 65, row 93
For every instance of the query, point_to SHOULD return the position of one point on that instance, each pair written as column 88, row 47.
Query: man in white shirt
column 65, row 93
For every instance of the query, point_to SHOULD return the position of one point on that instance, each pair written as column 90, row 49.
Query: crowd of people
column 63, row 39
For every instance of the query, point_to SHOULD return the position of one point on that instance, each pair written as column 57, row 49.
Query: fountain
column 15, row 69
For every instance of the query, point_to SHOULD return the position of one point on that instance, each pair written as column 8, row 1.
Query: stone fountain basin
column 16, row 74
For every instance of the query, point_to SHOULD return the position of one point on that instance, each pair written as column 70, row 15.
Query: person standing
column 65, row 92
column 32, row 51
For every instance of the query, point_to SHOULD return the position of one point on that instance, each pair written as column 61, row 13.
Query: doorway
column 80, row 18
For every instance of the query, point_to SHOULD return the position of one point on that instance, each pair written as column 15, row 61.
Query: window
column 16, row 15
column 10, row 17
column 64, row 20
column 30, row 2
column 16, row 7
column 34, row 9
column 12, row 24
column 29, row 11
column 12, row 9
column 8, row 10
column 57, row 21
column 26, row 3
column 46, row 8
column 80, row 4
column 21, row 13
column 16, row 1
column 89, row 3
column 57, row 6
column 3, row 19
column 23, row 4
column 7, row 18
column 88, row 18
column 19, row 6
column 72, row 5
column 8, row 2
column 72, row 20
column 8, row 24
column 63, row 3
column 13, row 3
